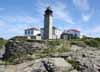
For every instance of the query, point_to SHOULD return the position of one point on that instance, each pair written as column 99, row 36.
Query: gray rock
column 39, row 65
column 56, row 65
column 14, row 49
column 31, row 66
column 74, row 71
column 2, row 51
column 87, row 59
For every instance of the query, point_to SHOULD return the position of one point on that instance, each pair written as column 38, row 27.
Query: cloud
column 27, row 19
column 61, row 13
column 14, row 25
column 96, row 29
column 59, row 8
column 86, row 17
column 1, row 9
column 85, row 9
column 21, row 19
column 92, row 32
column 82, row 5
column 2, row 23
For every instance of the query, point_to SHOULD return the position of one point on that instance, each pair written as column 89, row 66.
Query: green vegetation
column 54, row 42
column 74, row 64
column 87, row 41
column 53, row 47
column 93, row 43
column 39, row 41
column 55, row 50
column 50, row 47
column 2, row 42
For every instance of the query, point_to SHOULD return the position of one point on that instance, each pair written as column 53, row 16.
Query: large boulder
column 45, row 65
column 31, row 66
column 39, row 65
column 85, row 59
column 56, row 65
column 19, row 49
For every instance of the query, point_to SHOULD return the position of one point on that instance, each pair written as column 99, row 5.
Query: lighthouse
column 48, row 23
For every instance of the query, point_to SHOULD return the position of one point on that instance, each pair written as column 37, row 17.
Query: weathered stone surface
column 81, row 59
column 56, row 65
column 87, row 58
column 74, row 71
column 40, row 65
column 2, row 51
column 18, row 48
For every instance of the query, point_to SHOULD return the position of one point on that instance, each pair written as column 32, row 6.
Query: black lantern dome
column 48, row 11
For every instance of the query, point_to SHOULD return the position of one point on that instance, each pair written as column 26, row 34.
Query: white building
column 33, row 33
column 71, row 34
column 56, row 33
column 74, row 32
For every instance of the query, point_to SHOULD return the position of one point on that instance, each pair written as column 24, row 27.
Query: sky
column 17, row 15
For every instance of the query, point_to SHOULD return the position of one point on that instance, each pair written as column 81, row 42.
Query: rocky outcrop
column 19, row 49
column 83, row 59
column 2, row 51
column 88, row 59
column 56, row 65
column 40, row 65
column 78, row 59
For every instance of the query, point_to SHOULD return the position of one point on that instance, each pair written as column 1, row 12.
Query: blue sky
column 17, row 15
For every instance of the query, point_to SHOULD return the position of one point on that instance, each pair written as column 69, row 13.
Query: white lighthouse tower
column 48, row 22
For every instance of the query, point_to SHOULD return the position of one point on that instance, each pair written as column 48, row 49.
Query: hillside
column 52, row 56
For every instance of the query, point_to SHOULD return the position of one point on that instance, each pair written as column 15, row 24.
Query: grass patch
column 54, row 42
column 58, row 46
column 74, row 64
column 2, row 42
column 93, row 43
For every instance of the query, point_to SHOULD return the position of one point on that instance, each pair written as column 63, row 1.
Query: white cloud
column 21, row 19
column 27, row 19
column 61, row 13
column 85, row 9
column 1, row 9
column 86, row 17
column 2, row 23
column 83, row 5
column 96, row 29
column 92, row 32
column 15, row 25
column 60, row 10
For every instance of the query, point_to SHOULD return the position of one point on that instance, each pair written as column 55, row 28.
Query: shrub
column 61, row 50
column 54, row 42
column 2, row 42
column 97, row 39
column 39, row 41
column 74, row 64
column 92, row 43
column 79, row 43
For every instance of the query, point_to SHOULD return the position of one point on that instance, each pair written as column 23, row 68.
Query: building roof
column 75, row 30
column 48, row 11
column 66, row 31
column 33, row 28
column 52, row 28
column 55, row 28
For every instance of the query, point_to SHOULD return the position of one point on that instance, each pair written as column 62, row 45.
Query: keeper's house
column 70, row 34
column 33, row 33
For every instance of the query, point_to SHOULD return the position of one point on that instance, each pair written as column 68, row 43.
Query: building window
column 31, row 31
column 28, row 32
column 25, row 32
